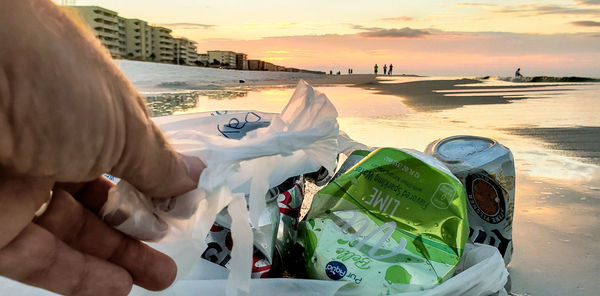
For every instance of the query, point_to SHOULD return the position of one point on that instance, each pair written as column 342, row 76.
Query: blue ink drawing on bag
column 216, row 113
column 236, row 129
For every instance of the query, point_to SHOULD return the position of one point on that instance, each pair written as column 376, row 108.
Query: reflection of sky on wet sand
column 555, row 238
column 382, row 120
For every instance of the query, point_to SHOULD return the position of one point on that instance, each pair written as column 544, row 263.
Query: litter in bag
column 301, row 139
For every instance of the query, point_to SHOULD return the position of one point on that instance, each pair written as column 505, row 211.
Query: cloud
column 188, row 26
column 589, row 2
column 535, row 9
column 277, row 51
column 391, row 33
column 397, row 19
column 586, row 23
column 273, row 25
column 475, row 4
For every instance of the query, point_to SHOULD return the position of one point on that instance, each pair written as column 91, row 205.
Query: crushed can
column 355, row 157
column 395, row 221
column 487, row 170
column 273, row 237
column 219, row 244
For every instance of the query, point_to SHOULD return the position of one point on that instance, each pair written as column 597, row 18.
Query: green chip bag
column 396, row 221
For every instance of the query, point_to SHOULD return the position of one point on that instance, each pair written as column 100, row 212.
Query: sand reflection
column 378, row 119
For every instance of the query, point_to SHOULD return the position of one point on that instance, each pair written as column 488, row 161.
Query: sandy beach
column 194, row 111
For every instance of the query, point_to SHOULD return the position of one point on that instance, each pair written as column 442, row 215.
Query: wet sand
column 421, row 95
column 315, row 80
column 581, row 142
column 418, row 95
column 556, row 239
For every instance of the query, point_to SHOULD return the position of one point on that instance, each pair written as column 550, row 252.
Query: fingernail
column 194, row 166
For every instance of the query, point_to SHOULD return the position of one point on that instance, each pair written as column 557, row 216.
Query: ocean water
column 553, row 131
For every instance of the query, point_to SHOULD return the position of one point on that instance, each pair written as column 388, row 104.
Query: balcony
column 109, row 43
column 105, row 26
column 106, row 21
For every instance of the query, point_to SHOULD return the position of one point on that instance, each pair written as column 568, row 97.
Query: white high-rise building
column 226, row 59
column 162, row 44
column 184, row 51
column 104, row 23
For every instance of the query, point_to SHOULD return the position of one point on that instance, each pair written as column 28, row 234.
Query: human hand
column 67, row 114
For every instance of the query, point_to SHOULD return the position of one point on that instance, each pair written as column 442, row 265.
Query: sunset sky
column 553, row 37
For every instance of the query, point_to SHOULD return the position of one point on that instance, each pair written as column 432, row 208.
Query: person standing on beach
column 390, row 69
column 375, row 68
column 384, row 69
column 68, row 115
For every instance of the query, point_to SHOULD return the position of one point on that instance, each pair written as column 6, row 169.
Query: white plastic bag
column 481, row 272
column 300, row 140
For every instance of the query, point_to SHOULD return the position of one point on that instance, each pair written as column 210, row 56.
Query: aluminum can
column 396, row 221
column 274, row 237
column 219, row 251
column 289, row 202
column 355, row 157
column 487, row 170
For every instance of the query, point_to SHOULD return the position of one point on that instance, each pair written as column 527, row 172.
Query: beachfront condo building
column 225, row 59
column 126, row 38
column 138, row 39
column 258, row 65
column 162, row 44
column 184, row 51
column 241, row 61
column 135, row 39
column 104, row 23
column 203, row 59
column 122, row 37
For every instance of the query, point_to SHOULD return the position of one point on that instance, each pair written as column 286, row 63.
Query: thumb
column 149, row 162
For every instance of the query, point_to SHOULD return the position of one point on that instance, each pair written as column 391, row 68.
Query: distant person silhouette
column 390, row 69
column 330, row 72
column 384, row 69
column 518, row 73
column 375, row 68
